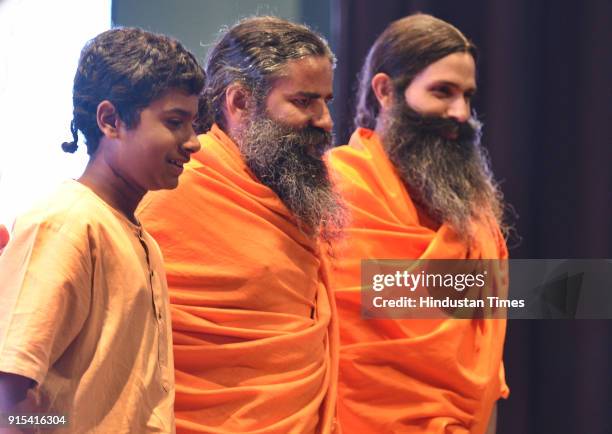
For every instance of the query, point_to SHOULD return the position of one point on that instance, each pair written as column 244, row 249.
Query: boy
column 84, row 318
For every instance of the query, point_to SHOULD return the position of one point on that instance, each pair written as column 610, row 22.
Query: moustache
column 311, row 140
column 446, row 128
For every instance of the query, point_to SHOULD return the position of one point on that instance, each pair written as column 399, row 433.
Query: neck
column 381, row 123
column 233, row 132
column 113, row 188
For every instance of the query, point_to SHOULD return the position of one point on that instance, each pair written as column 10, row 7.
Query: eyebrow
column 454, row 84
column 181, row 112
column 314, row 95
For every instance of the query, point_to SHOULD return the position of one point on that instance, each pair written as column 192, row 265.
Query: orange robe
column 255, row 338
column 407, row 376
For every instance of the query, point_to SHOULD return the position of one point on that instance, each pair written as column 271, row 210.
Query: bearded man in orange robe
column 253, row 318
column 418, row 186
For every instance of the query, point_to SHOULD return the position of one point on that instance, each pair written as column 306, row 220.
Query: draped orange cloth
column 407, row 375
column 255, row 338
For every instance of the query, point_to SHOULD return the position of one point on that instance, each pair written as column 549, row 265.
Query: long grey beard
column 450, row 178
column 289, row 161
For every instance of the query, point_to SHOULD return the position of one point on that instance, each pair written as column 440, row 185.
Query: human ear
column 237, row 103
column 382, row 86
column 107, row 117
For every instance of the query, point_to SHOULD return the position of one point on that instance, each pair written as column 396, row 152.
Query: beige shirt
column 84, row 312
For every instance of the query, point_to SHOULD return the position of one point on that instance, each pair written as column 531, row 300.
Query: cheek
column 287, row 113
column 295, row 121
column 425, row 103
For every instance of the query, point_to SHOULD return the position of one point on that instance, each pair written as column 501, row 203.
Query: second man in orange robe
column 255, row 337
column 418, row 186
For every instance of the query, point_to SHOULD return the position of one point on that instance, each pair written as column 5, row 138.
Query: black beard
column 443, row 165
column 290, row 162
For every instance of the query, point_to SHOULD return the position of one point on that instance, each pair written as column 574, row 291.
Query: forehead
column 175, row 99
column 312, row 74
column 457, row 68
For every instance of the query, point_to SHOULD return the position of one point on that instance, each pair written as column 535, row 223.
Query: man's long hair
column 402, row 51
column 253, row 53
column 453, row 181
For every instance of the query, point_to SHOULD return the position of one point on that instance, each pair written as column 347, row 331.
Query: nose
column 322, row 118
column 192, row 144
column 459, row 110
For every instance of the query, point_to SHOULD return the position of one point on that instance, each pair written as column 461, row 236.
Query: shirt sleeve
column 45, row 288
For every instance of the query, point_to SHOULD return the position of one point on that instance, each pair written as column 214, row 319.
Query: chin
column 166, row 185
column 171, row 185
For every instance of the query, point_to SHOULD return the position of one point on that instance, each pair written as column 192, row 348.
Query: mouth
column 451, row 134
column 177, row 165
column 316, row 151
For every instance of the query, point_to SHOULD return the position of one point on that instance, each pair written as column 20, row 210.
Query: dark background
column 545, row 96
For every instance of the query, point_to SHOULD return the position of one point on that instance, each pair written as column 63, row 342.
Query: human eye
column 301, row 102
column 442, row 91
column 174, row 123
